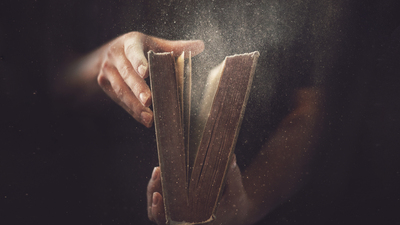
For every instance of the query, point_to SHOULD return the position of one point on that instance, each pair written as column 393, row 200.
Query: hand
column 123, row 68
column 233, row 207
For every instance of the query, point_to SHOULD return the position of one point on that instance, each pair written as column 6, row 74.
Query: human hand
column 124, row 67
column 233, row 207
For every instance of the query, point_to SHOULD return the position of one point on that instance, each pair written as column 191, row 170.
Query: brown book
column 194, row 149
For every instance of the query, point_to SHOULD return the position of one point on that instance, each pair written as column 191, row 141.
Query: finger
column 111, row 82
column 162, row 45
column 233, row 185
column 132, row 79
column 137, row 44
column 234, row 205
column 234, row 176
column 135, row 52
column 157, row 208
column 153, row 186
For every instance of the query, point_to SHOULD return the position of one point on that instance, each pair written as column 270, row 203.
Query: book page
column 199, row 120
column 186, row 106
column 179, row 72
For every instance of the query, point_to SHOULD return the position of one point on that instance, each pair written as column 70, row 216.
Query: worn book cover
column 194, row 149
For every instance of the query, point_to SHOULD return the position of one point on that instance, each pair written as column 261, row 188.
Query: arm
column 276, row 173
column 281, row 167
column 120, row 67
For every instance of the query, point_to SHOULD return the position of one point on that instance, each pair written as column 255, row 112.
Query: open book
column 194, row 149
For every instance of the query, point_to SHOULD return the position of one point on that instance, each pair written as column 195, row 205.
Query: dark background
column 68, row 161
column 64, row 160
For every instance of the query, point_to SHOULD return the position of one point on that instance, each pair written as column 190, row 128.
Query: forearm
column 281, row 167
column 88, row 67
column 79, row 78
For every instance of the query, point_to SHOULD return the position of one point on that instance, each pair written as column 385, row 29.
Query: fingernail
column 144, row 97
column 146, row 117
column 155, row 199
column 142, row 70
column 154, row 175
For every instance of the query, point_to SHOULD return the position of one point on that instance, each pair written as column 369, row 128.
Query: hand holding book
column 124, row 68
column 120, row 67
column 279, row 170
column 233, row 206
column 195, row 148
column 287, row 151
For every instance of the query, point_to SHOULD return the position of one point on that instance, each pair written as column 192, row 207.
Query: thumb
column 234, row 177
column 234, row 195
column 162, row 45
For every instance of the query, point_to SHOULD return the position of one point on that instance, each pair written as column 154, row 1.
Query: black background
column 65, row 161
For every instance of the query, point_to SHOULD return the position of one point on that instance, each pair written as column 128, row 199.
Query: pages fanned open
column 194, row 152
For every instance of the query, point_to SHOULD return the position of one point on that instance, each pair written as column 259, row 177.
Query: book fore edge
column 256, row 54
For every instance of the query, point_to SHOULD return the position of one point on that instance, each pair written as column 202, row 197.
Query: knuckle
column 130, row 48
column 119, row 92
column 110, row 53
column 125, row 71
column 137, row 87
column 101, row 80
column 112, row 50
column 104, row 66
column 137, row 109
column 134, row 34
column 136, row 40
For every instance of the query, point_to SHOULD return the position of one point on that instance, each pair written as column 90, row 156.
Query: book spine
column 169, row 134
